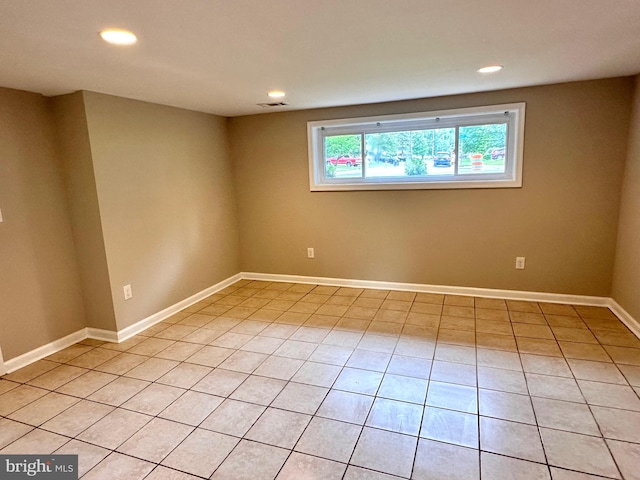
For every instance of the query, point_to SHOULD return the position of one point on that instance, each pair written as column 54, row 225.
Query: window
column 477, row 147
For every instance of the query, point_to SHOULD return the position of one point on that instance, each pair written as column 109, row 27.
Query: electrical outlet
column 128, row 293
column 1, row 219
column 311, row 253
column 520, row 263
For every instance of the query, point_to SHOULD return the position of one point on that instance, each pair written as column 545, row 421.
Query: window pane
column 343, row 156
column 478, row 147
column 408, row 154
column 386, row 153
column 483, row 148
column 441, row 146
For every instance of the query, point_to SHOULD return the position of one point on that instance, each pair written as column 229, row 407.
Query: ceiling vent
column 272, row 104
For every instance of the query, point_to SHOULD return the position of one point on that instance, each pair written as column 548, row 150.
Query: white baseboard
column 444, row 289
column 101, row 334
column 151, row 320
column 44, row 351
column 625, row 317
column 109, row 335
column 128, row 332
column 621, row 313
column 3, row 369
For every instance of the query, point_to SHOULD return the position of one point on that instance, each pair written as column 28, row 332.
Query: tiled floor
column 267, row 380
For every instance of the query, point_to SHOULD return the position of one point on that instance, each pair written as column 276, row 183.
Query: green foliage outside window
column 415, row 166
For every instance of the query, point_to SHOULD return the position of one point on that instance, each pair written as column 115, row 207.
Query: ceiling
column 222, row 56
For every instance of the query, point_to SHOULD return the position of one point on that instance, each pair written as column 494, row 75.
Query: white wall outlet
column 128, row 293
column 311, row 253
column 1, row 219
column 519, row 263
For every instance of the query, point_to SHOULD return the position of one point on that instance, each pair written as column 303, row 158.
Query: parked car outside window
column 344, row 160
column 442, row 159
column 497, row 153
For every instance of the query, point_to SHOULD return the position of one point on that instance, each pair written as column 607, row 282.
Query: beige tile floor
column 277, row 380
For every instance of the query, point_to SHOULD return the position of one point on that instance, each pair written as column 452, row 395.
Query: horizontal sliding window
column 464, row 148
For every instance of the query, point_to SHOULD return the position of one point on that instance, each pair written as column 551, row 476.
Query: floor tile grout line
column 478, row 404
column 355, row 445
column 263, row 443
column 156, row 464
column 602, row 436
column 343, row 366
column 155, row 381
column 426, row 399
column 535, row 417
column 287, row 382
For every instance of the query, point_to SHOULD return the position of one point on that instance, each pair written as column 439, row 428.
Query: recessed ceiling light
column 490, row 69
column 118, row 37
column 276, row 94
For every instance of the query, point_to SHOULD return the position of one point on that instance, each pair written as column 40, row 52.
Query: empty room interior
column 359, row 240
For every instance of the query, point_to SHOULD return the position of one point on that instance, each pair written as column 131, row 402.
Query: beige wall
column 150, row 200
column 167, row 201
column 563, row 219
column 40, row 295
column 626, row 279
column 75, row 154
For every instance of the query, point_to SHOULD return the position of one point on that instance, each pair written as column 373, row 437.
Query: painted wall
column 167, row 201
column 626, row 279
column 563, row 219
column 77, row 170
column 99, row 191
column 40, row 294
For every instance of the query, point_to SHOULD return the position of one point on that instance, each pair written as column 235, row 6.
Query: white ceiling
column 222, row 56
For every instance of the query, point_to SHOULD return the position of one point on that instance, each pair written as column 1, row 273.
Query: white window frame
column 511, row 178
